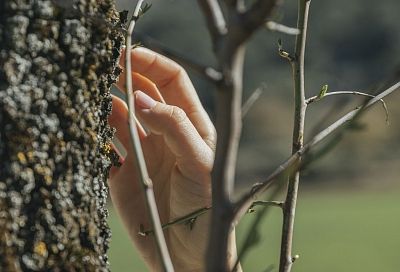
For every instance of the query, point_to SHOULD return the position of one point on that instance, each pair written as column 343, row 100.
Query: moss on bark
column 57, row 63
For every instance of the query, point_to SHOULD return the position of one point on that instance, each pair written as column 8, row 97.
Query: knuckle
column 211, row 139
column 177, row 115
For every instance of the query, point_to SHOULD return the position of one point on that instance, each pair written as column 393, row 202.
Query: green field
column 334, row 231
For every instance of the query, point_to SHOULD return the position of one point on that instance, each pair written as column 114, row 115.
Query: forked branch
column 293, row 162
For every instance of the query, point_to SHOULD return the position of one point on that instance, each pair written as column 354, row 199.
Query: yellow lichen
column 106, row 148
column 40, row 248
column 21, row 157
column 48, row 180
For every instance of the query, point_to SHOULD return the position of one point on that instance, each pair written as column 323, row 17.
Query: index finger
column 175, row 86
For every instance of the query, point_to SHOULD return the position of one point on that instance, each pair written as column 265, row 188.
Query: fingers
column 141, row 83
column 193, row 155
column 175, row 86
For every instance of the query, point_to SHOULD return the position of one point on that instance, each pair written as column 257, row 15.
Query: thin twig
column 286, row 259
column 318, row 97
column 293, row 162
column 141, row 163
column 192, row 217
column 251, row 100
column 277, row 27
column 258, row 13
column 244, row 22
column 214, row 18
column 189, row 218
column 252, row 238
column 265, row 203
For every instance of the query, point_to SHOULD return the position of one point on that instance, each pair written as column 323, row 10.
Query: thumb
column 193, row 155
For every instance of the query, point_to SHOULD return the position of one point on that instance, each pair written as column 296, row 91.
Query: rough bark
column 57, row 63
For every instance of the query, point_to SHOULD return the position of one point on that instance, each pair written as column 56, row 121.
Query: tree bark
column 57, row 63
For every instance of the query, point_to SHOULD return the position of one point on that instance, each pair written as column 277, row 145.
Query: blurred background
column 349, row 204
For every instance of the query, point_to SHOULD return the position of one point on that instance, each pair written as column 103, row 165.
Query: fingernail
column 144, row 101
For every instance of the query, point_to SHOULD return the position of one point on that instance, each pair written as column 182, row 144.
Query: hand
column 179, row 152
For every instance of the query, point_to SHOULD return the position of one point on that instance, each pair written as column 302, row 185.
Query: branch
column 214, row 17
column 257, row 14
column 251, row 100
column 293, row 162
column 187, row 219
column 276, row 27
column 319, row 97
column 207, row 72
column 252, row 237
column 278, row 204
column 230, row 56
column 286, row 259
column 140, row 161
column 192, row 217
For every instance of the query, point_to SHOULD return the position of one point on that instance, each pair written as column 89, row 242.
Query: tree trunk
column 57, row 63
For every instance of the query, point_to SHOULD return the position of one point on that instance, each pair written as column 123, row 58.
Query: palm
column 179, row 161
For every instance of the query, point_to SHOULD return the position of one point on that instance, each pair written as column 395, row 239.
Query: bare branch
column 293, row 162
column 265, row 203
column 277, row 27
column 141, row 163
column 214, row 18
column 207, row 72
column 251, row 100
column 187, row 219
column 286, row 259
column 318, row 97
column 252, row 236
column 258, row 13
column 228, row 125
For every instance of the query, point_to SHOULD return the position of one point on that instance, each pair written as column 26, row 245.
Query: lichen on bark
column 57, row 63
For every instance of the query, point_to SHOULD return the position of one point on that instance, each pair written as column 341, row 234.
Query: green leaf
column 323, row 91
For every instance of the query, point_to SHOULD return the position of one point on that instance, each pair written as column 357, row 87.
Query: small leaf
column 323, row 91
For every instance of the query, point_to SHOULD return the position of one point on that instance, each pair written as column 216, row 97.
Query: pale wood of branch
column 289, row 210
column 146, row 182
column 293, row 162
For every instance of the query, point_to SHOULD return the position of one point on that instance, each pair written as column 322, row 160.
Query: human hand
column 179, row 152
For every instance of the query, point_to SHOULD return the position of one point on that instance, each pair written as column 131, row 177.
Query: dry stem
column 289, row 210
column 293, row 162
column 140, row 161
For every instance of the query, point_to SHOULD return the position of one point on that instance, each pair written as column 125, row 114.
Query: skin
column 179, row 150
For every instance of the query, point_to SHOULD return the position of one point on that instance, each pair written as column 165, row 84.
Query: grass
column 334, row 231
